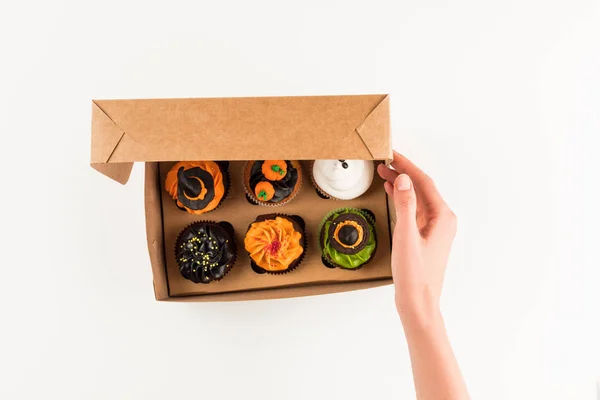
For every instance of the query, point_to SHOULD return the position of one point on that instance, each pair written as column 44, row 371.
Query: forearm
column 435, row 369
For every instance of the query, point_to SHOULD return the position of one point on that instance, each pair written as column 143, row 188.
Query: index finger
column 424, row 185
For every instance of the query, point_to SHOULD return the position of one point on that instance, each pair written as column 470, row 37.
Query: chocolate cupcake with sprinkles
column 272, row 182
column 198, row 186
column 205, row 251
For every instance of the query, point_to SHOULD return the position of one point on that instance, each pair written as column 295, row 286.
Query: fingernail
column 402, row 182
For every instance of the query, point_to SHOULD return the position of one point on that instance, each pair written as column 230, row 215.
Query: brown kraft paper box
column 161, row 132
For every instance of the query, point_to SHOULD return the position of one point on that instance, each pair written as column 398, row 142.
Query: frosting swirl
column 274, row 244
column 343, row 179
column 205, row 251
column 196, row 186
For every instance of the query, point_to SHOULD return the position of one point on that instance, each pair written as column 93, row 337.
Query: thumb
column 405, row 203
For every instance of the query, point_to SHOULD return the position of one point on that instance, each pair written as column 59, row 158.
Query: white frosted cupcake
column 342, row 179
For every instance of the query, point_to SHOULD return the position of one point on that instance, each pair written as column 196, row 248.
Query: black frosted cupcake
column 347, row 238
column 272, row 182
column 198, row 186
column 276, row 243
column 205, row 251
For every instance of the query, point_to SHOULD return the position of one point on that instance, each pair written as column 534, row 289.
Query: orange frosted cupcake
column 198, row 186
column 276, row 243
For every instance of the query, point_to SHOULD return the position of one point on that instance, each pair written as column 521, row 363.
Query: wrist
column 418, row 309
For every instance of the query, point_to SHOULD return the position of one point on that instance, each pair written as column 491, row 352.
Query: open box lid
column 245, row 128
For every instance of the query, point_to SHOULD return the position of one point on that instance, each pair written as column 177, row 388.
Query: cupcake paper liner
column 252, row 198
column 232, row 237
column 298, row 260
column 369, row 216
column 320, row 191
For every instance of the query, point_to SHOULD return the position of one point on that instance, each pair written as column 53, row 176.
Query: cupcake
column 198, row 186
column 342, row 179
column 275, row 243
column 347, row 238
column 205, row 251
column 272, row 182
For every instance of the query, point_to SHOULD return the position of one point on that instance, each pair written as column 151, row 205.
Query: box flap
column 106, row 135
column 299, row 128
column 372, row 128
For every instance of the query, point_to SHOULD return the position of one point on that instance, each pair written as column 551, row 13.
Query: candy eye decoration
column 344, row 164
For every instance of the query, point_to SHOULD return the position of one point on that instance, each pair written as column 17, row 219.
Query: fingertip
column 387, row 173
column 388, row 188
column 403, row 182
column 404, row 195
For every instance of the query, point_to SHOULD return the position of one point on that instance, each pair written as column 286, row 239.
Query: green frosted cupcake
column 348, row 238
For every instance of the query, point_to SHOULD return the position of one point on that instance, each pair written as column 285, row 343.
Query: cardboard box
column 160, row 132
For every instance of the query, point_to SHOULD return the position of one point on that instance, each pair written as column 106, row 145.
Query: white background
column 498, row 101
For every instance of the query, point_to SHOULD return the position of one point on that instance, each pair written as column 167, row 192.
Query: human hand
column 425, row 229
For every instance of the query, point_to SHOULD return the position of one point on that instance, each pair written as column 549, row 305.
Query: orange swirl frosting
column 273, row 244
column 213, row 185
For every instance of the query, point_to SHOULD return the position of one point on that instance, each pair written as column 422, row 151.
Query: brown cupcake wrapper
column 298, row 260
column 252, row 197
column 224, row 171
column 334, row 265
column 352, row 269
column 232, row 238
column 312, row 180
column 368, row 216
